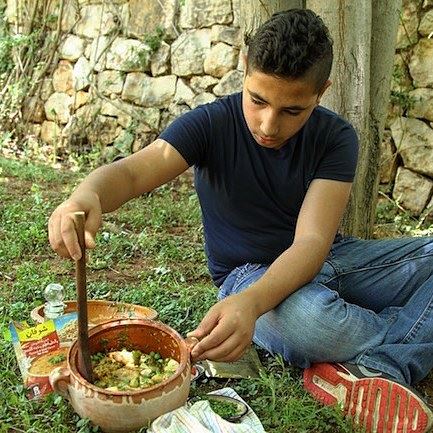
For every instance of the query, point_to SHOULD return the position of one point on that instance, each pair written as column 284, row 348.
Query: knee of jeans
column 304, row 329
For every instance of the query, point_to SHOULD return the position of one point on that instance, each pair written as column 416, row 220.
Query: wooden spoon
column 84, row 363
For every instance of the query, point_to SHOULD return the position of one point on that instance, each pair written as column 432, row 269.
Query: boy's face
column 275, row 109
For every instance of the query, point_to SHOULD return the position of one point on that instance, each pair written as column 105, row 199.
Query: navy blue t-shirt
column 250, row 196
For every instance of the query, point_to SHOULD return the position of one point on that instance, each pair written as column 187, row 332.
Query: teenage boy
column 273, row 173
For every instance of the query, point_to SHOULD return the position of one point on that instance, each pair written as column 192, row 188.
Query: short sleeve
column 340, row 159
column 189, row 135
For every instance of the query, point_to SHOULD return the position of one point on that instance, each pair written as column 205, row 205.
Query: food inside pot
column 131, row 370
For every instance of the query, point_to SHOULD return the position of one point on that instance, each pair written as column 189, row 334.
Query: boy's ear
column 322, row 90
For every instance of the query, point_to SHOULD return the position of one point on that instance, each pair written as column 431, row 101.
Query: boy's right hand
column 61, row 226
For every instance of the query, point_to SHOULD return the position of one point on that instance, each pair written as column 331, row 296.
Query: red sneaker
column 373, row 400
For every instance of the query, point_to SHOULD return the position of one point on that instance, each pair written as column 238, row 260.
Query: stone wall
column 126, row 68
column 407, row 151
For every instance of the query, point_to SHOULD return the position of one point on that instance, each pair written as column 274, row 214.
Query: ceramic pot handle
column 60, row 378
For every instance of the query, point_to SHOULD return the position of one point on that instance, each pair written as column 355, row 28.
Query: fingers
column 63, row 236
column 70, row 237
column 62, row 231
column 89, row 239
column 93, row 222
column 229, row 350
column 62, row 227
column 223, row 343
column 216, row 337
column 208, row 323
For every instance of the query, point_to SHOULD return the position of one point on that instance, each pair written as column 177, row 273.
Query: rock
column 154, row 15
column 407, row 33
column 71, row 16
column 71, row 48
column 123, row 143
column 236, row 8
column 221, row 59
column 50, row 133
column 204, row 83
column 412, row 190
column 149, row 91
column 183, row 95
column 202, row 98
column 401, row 80
column 143, row 140
column 149, row 119
column 95, row 20
column 128, row 55
column 35, row 130
column 128, row 113
column 87, row 114
column 104, row 130
column 33, row 110
column 429, row 210
column 98, row 53
column 172, row 112
column 82, row 74
column 414, row 141
column 241, row 62
column 388, row 159
column 227, row 34
column 230, row 83
column 110, row 82
column 160, row 60
column 422, row 103
column 80, row 98
column 63, row 77
column 188, row 52
column 394, row 112
column 158, row 91
column 426, row 24
column 203, row 13
column 57, row 107
column 47, row 88
column 421, row 65
column 133, row 87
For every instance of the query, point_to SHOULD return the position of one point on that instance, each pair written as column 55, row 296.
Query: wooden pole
column 84, row 363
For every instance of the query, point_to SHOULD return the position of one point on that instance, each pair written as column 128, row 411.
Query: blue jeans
column 371, row 304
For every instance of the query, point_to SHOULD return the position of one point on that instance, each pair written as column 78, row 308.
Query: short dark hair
column 292, row 44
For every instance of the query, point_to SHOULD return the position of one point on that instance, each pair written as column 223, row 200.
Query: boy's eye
column 292, row 113
column 256, row 101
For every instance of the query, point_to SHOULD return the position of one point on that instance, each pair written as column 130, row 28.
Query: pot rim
column 184, row 355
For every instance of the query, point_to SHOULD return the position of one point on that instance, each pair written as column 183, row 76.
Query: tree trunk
column 364, row 34
column 255, row 12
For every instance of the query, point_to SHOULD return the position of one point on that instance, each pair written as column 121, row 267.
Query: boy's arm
column 228, row 327
column 107, row 188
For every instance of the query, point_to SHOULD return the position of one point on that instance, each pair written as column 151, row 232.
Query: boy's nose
column 269, row 126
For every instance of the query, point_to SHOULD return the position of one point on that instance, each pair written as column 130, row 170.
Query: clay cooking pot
column 123, row 411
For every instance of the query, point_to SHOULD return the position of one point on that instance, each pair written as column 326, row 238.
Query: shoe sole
column 379, row 405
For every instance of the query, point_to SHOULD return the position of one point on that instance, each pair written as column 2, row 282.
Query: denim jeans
column 371, row 304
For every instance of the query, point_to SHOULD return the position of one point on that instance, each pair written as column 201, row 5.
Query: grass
column 149, row 253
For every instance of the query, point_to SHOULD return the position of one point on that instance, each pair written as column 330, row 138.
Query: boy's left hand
column 226, row 330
